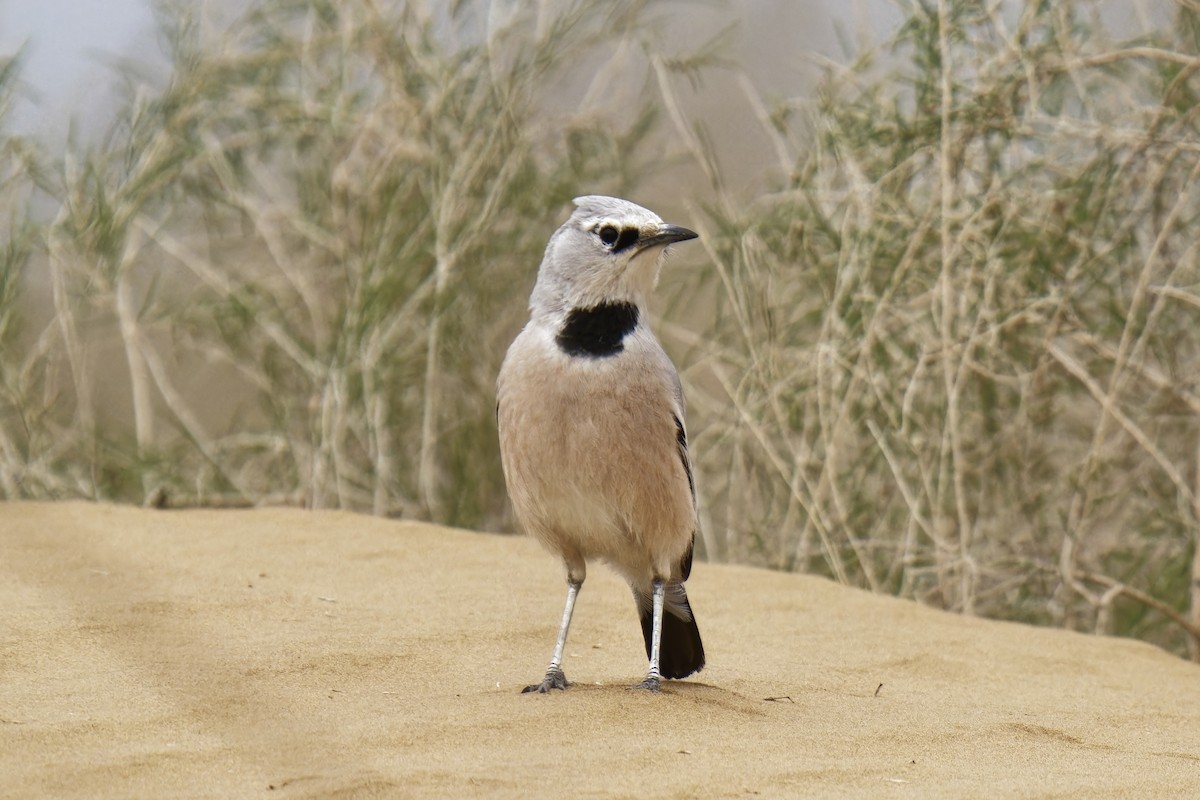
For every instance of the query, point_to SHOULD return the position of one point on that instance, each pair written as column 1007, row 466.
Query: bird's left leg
column 653, row 680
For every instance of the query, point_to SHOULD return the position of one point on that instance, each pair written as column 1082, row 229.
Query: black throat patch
column 597, row 332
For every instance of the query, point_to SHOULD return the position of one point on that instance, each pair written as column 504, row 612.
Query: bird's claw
column 651, row 684
column 555, row 679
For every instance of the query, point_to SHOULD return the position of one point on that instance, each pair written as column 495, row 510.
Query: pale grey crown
column 606, row 252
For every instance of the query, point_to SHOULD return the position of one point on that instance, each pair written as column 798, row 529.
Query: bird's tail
column 681, row 652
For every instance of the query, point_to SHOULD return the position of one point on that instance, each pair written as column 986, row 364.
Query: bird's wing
column 684, row 458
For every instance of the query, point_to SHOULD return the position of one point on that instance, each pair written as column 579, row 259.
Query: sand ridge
column 283, row 653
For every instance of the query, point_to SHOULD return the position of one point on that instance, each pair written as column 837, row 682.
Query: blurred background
column 938, row 338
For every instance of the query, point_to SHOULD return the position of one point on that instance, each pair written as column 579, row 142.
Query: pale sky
column 70, row 45
column 67, row 47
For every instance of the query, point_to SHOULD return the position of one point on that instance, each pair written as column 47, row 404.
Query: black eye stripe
column 627, row 238
column 618, row 240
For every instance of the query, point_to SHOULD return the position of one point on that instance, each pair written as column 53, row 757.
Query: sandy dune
column 281, row 653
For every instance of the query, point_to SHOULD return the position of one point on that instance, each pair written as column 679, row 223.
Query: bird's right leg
column 653, row 682
column 555, row 678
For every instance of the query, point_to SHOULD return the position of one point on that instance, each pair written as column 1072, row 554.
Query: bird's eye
column 608, row 235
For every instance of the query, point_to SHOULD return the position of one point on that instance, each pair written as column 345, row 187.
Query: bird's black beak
column 667, row 234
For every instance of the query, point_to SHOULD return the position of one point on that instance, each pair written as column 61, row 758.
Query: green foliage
column 20, row 173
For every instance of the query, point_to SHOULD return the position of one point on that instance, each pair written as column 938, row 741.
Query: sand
column 286, row 654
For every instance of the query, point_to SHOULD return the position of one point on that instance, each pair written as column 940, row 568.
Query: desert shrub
column 959, row 334
column 292, row 270
column 21, row 416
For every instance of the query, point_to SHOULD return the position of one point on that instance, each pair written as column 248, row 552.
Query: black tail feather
column 681, row 652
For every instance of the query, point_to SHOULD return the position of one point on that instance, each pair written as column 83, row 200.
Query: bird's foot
column 651, row 684
column 555, row 679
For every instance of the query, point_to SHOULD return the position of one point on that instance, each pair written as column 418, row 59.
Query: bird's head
column 610, row 250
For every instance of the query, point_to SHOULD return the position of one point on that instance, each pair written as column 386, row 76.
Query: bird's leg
column 555, row 678
column 653, row 680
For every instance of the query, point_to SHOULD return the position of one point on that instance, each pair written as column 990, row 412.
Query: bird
column 590, row 415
